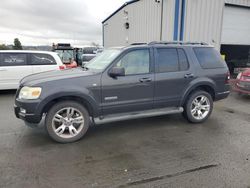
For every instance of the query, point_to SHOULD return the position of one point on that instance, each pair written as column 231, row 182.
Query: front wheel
column 198, row 107
column 67, row 121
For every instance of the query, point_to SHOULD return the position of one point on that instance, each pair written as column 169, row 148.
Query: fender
column 81, row 93
column 194, row 84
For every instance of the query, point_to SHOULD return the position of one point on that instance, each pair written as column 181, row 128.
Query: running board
column 137, row 114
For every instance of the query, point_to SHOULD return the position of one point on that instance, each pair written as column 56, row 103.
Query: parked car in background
column 14, row 65
column 89, row 50
column 88, row 53
column 242, row 82
column 125, row 83
column 87, row 57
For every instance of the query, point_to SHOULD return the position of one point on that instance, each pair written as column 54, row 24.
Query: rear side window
column 41, row 59
column 209, row 58
column 13, row 59
column 171, row 60
column 167, row 60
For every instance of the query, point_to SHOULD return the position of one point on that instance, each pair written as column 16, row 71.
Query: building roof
column 124, row 5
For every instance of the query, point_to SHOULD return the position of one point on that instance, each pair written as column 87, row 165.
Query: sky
column 42, row 22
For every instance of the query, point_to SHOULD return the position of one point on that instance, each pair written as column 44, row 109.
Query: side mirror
column 117, row 71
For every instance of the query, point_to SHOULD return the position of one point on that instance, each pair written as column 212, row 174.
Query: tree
column 3, row 47
column 17, row 44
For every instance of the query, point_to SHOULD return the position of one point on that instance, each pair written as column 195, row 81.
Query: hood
column 54, row 75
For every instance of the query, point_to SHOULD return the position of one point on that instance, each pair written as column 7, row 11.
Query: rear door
column 135, row 90
column 13, row 67
column 42, row 62
column 173, row 75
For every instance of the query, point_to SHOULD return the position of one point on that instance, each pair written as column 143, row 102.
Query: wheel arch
column 86, row 101
column 205, row 86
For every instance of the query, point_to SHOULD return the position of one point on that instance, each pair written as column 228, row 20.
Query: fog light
column 22, row 110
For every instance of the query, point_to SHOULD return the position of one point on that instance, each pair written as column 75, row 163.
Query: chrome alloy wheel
column 67, row 122
column 200, row 107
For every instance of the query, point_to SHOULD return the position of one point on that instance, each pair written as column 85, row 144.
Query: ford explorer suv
column 16, row 64
column 136, row 81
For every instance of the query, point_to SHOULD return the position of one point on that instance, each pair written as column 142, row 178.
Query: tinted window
column 167, row 60
column 208, row 58
column 135, row 62
column 13, row 59
column 41, row 59
column 183, row 62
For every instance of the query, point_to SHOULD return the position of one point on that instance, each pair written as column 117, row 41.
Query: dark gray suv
column 140, row 80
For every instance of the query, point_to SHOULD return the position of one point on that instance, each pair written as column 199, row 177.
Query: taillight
column 227, row 77
column 62, row 67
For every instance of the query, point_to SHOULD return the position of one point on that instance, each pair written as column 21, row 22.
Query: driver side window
column 135, row 62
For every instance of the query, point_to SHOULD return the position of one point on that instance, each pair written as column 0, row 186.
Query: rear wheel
column 198, row 107
column 67, row 121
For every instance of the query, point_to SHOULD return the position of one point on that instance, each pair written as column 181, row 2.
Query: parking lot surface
column 153, row 152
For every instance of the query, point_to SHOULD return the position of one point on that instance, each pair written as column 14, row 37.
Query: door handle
column 189, row 75
column 145, row 79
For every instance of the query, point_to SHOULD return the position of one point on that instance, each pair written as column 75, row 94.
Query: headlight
column 30, row 93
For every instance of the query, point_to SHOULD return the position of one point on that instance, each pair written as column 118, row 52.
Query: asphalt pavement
column 164, row 151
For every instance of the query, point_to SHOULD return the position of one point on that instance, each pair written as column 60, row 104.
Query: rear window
column 41, row 59
column 209, row 58
column 13, row 59
column 87, row 57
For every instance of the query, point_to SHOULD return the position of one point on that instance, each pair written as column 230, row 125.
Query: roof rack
column 138, row 43
column 177, row 42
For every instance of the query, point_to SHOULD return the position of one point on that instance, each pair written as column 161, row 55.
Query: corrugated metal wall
column 114, row 32
column 239, row 2
column 144, row 18
column 203, row 21
column 168, row 20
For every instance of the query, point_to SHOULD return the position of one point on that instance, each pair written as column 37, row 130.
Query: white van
column 16, row 64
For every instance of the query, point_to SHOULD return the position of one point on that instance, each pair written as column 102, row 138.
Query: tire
column 67, row 121
column 195, row 105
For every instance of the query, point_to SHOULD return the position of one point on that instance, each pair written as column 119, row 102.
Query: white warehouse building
column 222, row 23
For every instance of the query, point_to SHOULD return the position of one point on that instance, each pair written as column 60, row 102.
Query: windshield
column 65, row 55
column 101, row 61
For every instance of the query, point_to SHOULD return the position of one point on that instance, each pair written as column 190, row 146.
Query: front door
column 135, row 90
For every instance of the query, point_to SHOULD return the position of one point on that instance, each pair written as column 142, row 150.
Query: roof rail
column 177, row 42
column 138, row 43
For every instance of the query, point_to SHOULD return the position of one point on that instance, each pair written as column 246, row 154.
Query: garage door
column 236, row 25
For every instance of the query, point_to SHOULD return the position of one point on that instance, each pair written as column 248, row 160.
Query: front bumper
column 27, row 110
